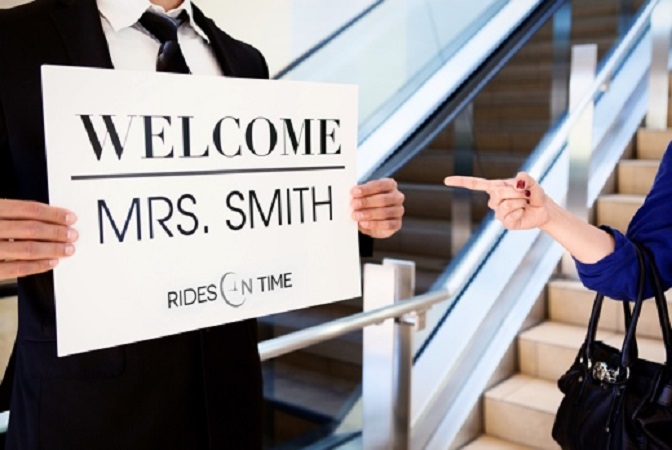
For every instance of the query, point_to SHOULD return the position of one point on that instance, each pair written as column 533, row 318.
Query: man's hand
column 378, row 207
column 33, row 237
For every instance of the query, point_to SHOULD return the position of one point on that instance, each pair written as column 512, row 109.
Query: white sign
column 201, row 200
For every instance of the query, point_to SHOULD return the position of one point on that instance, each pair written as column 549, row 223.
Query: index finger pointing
column 473, row 183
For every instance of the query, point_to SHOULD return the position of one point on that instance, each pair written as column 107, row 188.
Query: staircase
column 519, row 412
column 509, row 118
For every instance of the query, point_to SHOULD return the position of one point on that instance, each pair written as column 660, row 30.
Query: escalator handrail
column 455, row 102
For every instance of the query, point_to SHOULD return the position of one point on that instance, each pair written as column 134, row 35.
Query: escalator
column 431, row 106
column 507, row 120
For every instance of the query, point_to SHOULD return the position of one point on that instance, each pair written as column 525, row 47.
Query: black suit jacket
column 197, row 390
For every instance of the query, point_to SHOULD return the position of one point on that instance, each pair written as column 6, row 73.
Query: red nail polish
column 528, row 193
column 520, row 184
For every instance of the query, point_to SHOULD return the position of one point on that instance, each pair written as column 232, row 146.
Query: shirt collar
column 126, row 13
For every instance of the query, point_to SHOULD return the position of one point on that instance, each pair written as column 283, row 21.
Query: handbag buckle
column 604, row 374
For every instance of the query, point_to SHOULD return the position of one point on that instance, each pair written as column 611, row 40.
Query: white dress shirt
column 134, row 48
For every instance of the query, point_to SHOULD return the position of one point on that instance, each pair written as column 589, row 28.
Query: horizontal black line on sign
column 200, row 173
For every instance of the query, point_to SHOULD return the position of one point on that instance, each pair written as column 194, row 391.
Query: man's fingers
column 17, row 269
column 380, row 228
column 392, row 212
column 25, row 210
column 374, row 187
column 36, row 231
column 378, row 201
column 34, row 251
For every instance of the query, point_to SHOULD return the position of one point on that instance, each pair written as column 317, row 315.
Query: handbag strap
column 661, row 304
column 630, row 343
column 629, row 351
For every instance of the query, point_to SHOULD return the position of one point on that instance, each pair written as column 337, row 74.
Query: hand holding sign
column 33, row 237
column 519, row 203
column 378, row 207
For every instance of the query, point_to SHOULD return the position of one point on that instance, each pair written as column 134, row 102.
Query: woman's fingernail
column 69, row 250
column 520, row 184
column 528, row 193
column 53, row 262
column 70, row 218
column 357, row 204
column 357, row 192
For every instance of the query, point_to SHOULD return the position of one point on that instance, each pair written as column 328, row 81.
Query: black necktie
column 164, row 28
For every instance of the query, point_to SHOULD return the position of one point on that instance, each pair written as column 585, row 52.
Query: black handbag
column 614, row 400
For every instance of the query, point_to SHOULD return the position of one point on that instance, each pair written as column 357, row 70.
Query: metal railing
column 409, row 312
column 298, row 340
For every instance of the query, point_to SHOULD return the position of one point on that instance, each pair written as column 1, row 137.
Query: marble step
column 571, row 303
column 491, row 443
column 617, row 210
column 651, row 144
column 635, row 176
column 521, row 410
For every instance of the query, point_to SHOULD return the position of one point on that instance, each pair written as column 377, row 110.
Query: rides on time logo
column 231, row 288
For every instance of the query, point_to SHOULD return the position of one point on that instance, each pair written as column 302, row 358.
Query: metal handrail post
column 405, row 327
column 385, row 349
column 562, row 30
column 463, row 163
column 661, row 32
column 377, row 360
column 580, row 141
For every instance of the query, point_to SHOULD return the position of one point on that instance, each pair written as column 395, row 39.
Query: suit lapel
column 219, row 43
column 78, row 23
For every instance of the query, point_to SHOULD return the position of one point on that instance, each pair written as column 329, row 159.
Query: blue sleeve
column 616, row 275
